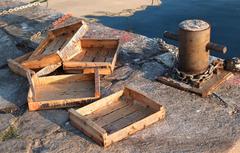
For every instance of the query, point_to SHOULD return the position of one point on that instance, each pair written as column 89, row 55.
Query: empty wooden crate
column 62, row 90
column 95, row 53
column 60, row 45
column 117, row 116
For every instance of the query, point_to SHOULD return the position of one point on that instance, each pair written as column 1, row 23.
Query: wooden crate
column 95, row 53
column 60, row 45
column 117, row 116
column 16, row 66
column 62, row 90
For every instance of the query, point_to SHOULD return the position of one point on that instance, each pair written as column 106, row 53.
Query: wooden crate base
column 206, row 88
column 95, row 53
column 117, row 116
column 62, row 91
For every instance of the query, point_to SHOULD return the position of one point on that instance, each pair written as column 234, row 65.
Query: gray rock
column 7, row 48
column 13, row 91
column 152, row 70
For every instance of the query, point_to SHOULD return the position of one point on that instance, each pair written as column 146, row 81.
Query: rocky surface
column 192, row 124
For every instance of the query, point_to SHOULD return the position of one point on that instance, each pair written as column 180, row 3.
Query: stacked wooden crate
column 64, row 71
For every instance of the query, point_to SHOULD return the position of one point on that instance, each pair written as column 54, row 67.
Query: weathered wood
column 95, row 53
column 119, row 116
column 61, row 44
column 87, row 126
column 63, row 91
column 16, row 66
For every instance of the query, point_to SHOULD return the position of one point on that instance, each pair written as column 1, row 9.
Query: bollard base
column 206, row 88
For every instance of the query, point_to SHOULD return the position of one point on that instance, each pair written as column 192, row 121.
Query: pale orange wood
column 133, row 128
column 100, row 103
column 62, row 91
column 119, row 120
column 42, row 62
column 141, row 98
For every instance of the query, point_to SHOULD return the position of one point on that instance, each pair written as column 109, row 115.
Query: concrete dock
column 192, row 123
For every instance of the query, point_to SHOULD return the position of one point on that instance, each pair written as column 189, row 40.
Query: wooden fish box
column 117, row 116
column 16, row 67
column 62, row 91
column 95, row 53
column 60, row 45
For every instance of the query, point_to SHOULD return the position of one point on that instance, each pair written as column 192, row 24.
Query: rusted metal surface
column 207, row 87
column 194, row 46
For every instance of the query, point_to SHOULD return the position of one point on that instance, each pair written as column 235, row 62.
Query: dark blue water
column 223, row 15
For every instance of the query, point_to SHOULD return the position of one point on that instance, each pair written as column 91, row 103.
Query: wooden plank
column 48, row 69
column 64, row 78
column 107, row 109
column 127, row 120
column 100, row 103
column 99, row 43
column 141, row 98
column 55, row 45
column 42, row 62
column 72, row 65
column 101, row 55
column 133, row 128
column 91, row 53
column 116, row 115
column 87, row 126
column 41, row 46
column 97, row 83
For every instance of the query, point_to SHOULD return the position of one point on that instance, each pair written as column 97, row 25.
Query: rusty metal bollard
column 194, row 46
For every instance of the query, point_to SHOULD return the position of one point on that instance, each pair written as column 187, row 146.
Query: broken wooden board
column 95, row 53
column 61, row 44
column 62, row 91
column 16, row 66
column 206, row 88
column 117, row 116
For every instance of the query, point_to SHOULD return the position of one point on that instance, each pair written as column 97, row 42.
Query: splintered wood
column 117, row 116
column 95, row 53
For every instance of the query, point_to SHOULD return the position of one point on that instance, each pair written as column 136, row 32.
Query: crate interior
column 97, row 51
column 64, row 88
column 60, row 40
column 119, row 114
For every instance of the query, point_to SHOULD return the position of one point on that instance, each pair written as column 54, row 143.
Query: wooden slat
column 64, row 78
column 139, row 125
column 118, row 114
column 108, row 109
column 42, row 62
column 141, row 98
column 100, row 103
column 71, row 65
column 91, row 53
column 106, row 43
column 101, row 55
column 127, row 120
column 97, row 83
column 48, row 69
